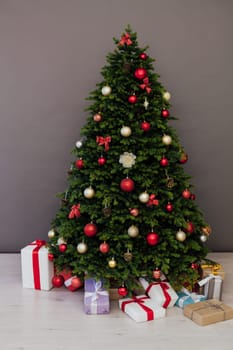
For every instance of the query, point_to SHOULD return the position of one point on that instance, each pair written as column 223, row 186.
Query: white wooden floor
column 55, row 320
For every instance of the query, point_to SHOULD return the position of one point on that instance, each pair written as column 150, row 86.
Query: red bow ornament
column 152, row 200
column 75, row 212
column 125, row 39
column 103, row 141
column 146, row 85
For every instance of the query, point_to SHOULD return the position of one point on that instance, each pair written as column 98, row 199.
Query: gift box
column 186, row 298
column 214, row 269
column 96, row 298
column 37, row 269
column 141, row 308
column 160, row 292
column 208, row 312
column 212, row 287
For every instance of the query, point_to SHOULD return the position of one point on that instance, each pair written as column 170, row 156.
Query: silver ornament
column 82, row 248
column 79, row 144
column 106, row 90
column 180, row 236
column 166, row 139
column 146, row 103
column 126, row 131
column 203, row 238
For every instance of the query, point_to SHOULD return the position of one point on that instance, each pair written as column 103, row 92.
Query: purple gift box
column 96, row 298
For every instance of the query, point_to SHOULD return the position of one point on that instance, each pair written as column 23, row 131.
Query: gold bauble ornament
column 207, row 230
column 128, row 256
column 170, row 182
column 89, row 192
column 144, row 197
column 61, row 241
column 51, row 233
column 166, row 139
column 112, row 263
column 126, row 131
column 180, row 236
column 166, row 95
column 133, row 231
column 82, row 248
column 106, row 90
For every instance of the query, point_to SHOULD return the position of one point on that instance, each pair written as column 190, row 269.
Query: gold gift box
column 208, row 312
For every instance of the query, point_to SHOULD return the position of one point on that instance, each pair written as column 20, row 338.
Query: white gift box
column 160, row 292
column 141, row 308
column 212, row 286
column 37, row 269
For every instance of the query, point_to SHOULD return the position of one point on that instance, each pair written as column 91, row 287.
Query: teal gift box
column 186, row 298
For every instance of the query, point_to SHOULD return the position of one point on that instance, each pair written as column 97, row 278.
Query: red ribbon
column 146, row 85
column 103, row 141
column 152, row 200
column 75, row 212
column 140, row 301
column 125, row 39
column 35, row 262
column 164, row 286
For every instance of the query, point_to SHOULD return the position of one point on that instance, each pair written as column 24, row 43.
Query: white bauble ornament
column 51, row 233
column 61, row 241
column 79, row 144
column 112, row 263
column 82, row 248
column 144, row 197
column 89, row 192
column 133, row 231
column 166, row 139
column 106, row 90
column 126, row 131
column 203, row 238
column 166, row 96
column 180, row 236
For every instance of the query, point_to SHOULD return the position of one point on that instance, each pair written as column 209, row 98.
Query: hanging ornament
column 125, row 40
column 126, row 131
column 133, row 231
column 132, row 99
column 74, row 212
column 146, row 103
column 143, row 56
column 104, row 248
column 89, row 192
column 156, row 273
column 169, row 207
column 127, row 159
column 127, row 185
column 90, row 229
column 194, row 266
column 146, row 85
column 193, row 196
column 134, row 211
column 166, row 139
column 104, row 141
column 79, row 144
column 140, row 73
column 165, row 113
column 152, row 200
column 64, row 200
column 107, row 211
column 62, row 247
column 207, row 230
column 97, row 117
column 112, row 263
column 106, row 90
column 82, row 248
column 76, row 282
column 51, row 233
column 183, row 158
column 152, row 238
column 79, row 163
column 164, row 162
column 58, row 281
column 61, row 241
column 170, row 182
column 101, row 160
column 144, row 197
column 189, row 228
column 127, row 67
column 70, row 171
column 50, row 256
column 186, row 194
column 145, row 126
column 180, row 236
column 122, row 291
column 166, row 95
column 128, row 256
column 203, row 238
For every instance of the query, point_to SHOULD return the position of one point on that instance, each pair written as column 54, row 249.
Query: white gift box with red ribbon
column 37, row 270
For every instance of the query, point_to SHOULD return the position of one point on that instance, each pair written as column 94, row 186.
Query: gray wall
column 51, row 53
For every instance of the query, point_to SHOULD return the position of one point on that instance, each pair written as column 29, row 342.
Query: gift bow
column 38, row 242
column 164, row 286
column 152, row 200
column 140, row 301
column 214, row 268
column 75, row 212
column 146, row 85
column 104, row 141
column 125, row 39
column 97, row 292
column 35, row 261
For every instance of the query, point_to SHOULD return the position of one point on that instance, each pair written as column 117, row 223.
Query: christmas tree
column 129, row 209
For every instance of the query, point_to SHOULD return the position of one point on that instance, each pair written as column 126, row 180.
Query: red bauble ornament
column 76, row 282
column 145, row 126
column 143, row 56
column 127, row 185
column 57, row 281
column 132, row 99
column 97, row 117
column 104, row 248
column 165, row 113
column 101, row 160
column 156, row 273
column 140, row 73
column 169, row 207
column 189, row 227
column 152, row 238
column 122, row 291
column 62, row 247
column 194, row 266
column 183, row 158
column 134, row 212
column 79, row 163
column 90, row 229
column 193, row 196
column 164, row 162
column 186, row 194
column 50, row 256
